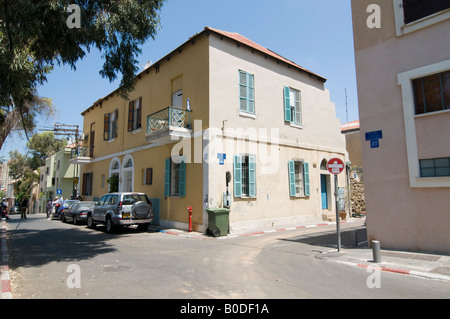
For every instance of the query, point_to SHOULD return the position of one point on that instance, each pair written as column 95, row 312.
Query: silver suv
column 121, row 209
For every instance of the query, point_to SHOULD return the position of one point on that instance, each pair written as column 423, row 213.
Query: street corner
column 436, row 267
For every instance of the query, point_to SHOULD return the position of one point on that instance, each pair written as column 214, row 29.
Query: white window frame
column 401, row 28
column 112, row 117
column 299, row 179
column 405, row 81
column 296, row 106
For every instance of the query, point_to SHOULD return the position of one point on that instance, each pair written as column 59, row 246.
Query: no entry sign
column 335, row 166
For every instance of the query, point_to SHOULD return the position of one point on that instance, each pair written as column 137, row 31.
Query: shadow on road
column 329, row 238
column 31, row 246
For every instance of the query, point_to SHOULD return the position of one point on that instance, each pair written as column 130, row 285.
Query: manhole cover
column 115, row 268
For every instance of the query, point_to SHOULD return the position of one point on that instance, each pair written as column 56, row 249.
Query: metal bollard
column 376, row 251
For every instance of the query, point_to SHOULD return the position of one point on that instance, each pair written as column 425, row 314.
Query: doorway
column 324, row 190
column 127, row 184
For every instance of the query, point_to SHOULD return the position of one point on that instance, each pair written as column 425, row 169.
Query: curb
column 4, row 268
column 206, row 237
column 287, row 228
column 415, row 273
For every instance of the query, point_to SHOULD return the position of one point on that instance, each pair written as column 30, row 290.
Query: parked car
column 121, row 209
column 77, row 212
column 58, row 211
column 14, row 210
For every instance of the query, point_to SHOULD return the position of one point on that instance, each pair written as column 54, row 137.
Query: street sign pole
column 335, row 166
column 338, row 224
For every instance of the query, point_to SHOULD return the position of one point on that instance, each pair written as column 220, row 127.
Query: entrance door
column 324, row 191
column 177, row 99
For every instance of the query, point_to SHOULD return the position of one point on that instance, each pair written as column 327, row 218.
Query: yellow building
column 218, row 103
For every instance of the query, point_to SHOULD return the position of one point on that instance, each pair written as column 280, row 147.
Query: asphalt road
column 46, row 257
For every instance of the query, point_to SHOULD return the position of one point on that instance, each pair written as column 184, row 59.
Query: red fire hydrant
column 190, row 218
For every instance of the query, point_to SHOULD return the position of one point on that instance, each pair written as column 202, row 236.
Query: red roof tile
column 350, row 126
column 237, row 37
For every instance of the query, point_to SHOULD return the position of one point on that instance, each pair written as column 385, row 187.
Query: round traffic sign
column 335, row 166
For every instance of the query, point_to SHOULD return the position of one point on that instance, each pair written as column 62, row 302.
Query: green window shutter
column 292, row 190
column 306, row 178
column 237, row 167
column 243, row 91
column 252, row 176
column 287, row 105
column 167, row 177
column 182, row 179
column 251, row 93
column 246, row 92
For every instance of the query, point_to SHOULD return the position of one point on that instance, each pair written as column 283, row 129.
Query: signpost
column 336, row 166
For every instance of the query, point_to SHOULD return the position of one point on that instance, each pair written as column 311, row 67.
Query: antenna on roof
column 346, row 105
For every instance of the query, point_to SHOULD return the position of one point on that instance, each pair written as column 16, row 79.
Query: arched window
column 323, row 165
column 127, row 184
column 114, row 175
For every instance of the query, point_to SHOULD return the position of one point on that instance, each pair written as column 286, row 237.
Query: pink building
column 402, row 52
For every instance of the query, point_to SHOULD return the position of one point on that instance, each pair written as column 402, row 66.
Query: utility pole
column 69, row 130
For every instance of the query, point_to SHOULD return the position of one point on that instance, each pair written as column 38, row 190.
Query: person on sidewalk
column 23, row 208
column 4, row 209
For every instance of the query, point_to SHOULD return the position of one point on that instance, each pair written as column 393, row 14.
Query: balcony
column 168, row 125
column 82, row 155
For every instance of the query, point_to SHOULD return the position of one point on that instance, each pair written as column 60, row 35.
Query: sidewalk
column 420, row 264
column 4, row 266
column 426, row 265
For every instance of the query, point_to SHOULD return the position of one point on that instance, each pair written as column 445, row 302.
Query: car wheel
column 110, row 227
column 90, row 222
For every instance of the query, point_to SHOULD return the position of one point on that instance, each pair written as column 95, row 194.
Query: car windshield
column 130, row 199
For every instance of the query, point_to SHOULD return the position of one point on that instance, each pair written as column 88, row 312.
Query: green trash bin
column 218, row 221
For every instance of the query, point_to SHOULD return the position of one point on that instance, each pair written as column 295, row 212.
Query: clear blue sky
column 314, row 34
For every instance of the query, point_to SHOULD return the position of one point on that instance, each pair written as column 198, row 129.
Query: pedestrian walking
column 49, row 207
column 23, row 208
column 4, row 208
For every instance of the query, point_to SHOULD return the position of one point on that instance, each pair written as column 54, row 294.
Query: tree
column 18, row 165
column 42, row 146
column 37, row 34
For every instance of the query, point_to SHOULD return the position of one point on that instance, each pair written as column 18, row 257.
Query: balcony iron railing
column 82, row 151
column 168, row 117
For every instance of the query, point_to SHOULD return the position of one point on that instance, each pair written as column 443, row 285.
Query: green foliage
column 43, row 145
column 34, row 36
column 113, row 182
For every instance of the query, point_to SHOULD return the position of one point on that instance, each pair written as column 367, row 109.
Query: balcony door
column 177, row 99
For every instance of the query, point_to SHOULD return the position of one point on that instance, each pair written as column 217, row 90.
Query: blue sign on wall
column 59, row 192
column 221, row 157
column 374, row 138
